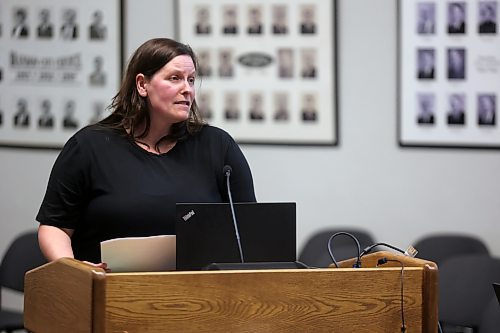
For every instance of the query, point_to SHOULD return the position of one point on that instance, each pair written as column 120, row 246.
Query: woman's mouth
column 186, row 103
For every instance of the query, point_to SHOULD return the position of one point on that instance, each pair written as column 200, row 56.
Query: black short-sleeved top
column 104, row 186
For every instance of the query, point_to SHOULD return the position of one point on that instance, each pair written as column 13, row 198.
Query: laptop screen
column 497, row 290
column 206, row 234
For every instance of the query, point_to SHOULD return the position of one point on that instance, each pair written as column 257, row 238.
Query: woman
column 123, row 176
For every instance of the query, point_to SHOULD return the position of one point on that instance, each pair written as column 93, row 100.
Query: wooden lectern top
column 70, row 296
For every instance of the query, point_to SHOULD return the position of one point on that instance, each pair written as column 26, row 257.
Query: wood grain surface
column 326, row 300
column 58, row 297
column 69, row 296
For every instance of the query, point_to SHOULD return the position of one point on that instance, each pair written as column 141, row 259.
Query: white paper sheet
column 139, row 254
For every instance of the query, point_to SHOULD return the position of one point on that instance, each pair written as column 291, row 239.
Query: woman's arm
column 55, row 242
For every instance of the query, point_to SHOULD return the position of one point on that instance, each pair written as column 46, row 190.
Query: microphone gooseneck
column 227, row 173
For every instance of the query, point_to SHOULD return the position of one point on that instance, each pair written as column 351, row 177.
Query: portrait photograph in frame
column 60, row 65
column 267, row 70
column 448, row 74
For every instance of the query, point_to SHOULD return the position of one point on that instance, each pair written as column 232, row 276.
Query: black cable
column 383, row 261
column 440, row 329
column 358, row 261
column 368, row 249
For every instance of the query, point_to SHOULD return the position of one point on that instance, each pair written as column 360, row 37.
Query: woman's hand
column 102, row 265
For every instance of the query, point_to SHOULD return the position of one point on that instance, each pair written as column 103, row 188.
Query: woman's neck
column 151, row 142
column 156, row 132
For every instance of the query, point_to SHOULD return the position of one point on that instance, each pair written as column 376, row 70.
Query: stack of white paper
column 139, row 254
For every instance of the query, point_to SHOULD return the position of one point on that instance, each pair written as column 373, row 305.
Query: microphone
column 227, row 170
column 227, row 173
column 247, row 265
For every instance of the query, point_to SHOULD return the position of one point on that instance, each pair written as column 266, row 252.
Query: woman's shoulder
column 210, row 138
column 212, row 132
column 94, row 137
column 95, row 132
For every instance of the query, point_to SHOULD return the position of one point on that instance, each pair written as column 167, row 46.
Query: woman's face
column 171, row 91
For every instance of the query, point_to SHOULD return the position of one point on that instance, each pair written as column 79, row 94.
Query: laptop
column 206, row 235
column 497, row 290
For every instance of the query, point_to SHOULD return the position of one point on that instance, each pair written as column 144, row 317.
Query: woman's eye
column 191, row 80
column 174, row 78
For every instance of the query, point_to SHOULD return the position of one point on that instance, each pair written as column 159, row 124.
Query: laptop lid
column 497, row 290
column 205, row 233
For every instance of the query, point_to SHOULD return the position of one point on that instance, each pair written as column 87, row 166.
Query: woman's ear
column 140, row 83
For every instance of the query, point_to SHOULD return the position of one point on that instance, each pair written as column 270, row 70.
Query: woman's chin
column 181, row 116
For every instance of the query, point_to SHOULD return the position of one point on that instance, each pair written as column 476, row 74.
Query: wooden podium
column 70, row 296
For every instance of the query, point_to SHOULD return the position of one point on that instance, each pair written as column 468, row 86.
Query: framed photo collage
column 267, row 68
column 449, row 73
column 53, row 56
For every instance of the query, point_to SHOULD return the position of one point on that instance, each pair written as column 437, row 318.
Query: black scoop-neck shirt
column 104, row 186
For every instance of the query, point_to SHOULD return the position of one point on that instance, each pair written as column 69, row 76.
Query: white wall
column 368, row 181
